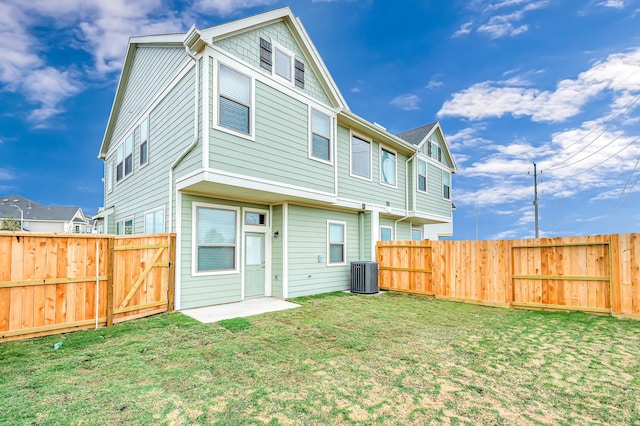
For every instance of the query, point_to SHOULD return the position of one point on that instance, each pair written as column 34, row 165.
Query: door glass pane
column 253, row 250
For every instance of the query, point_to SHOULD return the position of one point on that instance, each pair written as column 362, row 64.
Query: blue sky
column 511, row 81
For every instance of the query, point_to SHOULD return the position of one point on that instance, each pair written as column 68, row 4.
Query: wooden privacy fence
column 598, row 274
column 52, row 283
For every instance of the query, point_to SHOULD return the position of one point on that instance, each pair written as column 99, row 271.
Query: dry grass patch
column 392, row 359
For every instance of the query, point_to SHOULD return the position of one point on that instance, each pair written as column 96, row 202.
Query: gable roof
column 420, row 135
column 194, row 41
column 35, row 211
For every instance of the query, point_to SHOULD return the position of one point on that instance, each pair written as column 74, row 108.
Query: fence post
column 110, row 279
column 172, row 273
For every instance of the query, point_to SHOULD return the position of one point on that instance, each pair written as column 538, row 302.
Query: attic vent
column 299, row 74
column 265, row 54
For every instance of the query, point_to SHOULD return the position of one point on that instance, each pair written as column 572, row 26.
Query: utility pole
column 535, row 197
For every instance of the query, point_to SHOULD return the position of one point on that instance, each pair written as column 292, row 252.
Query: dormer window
column 281, row 63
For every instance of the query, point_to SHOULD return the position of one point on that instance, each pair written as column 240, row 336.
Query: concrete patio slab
column 246, row 308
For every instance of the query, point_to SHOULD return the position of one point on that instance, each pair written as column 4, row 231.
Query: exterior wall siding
column 246, row 47
column 280, row 151
column 170, row 132
column 210, row 289
column 432, row 201
column 373, row 191
column 307, row 240
column 277, row 252
column 160, row 62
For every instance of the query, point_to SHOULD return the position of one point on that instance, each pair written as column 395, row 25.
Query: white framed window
column 386, row 233
column 387, row 167
column 421, row 176
column 283, row 63
column 215, row 239
column 144, row 142
column 234, row 100
column 434, row 151
column 255, row 218
column 416, row 233
column 446, row 185
column 124, row 159
column 124, row 226
column 109, row 177
column 320, row 136
column 360, row 157
column 154, row 221
column 336, row 243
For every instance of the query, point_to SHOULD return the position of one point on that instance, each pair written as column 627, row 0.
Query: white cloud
column 507, row 24
column 6, row 174
column 615, row 4
column 227, row 7
column 407, row 102
column 620, row 73
column 464, row 30
column 434, row 84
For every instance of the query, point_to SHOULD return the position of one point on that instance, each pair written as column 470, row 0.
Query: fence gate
column 571, row 276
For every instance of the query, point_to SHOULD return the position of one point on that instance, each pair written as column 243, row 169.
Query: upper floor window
column 360, row 157
column 422, row 176
column 124, row 159
column 434, row 150
column 446, row 185
column 286, row 65
column 320, row 135
column 234, row 100
column 144, row 142
column 387, row 167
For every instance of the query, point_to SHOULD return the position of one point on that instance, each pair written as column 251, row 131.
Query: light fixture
column 276, row 234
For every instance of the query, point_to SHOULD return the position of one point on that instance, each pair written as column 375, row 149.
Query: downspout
column 406, row 195
column 361, row 235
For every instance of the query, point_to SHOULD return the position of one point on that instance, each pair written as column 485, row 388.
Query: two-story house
column 236, row 138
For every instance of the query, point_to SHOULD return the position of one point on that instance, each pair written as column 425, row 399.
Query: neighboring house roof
column 420, row 135
column 194, row 41
column 38, row 212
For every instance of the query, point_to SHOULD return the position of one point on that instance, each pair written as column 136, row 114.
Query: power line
column 627, row 183
column 594, row 152
column 603, row 161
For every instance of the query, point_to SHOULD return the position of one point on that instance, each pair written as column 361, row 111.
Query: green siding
column 373, row 191
column 432, row 202
column 210, row 289
column 246, row 46
column 160, row 62
column 307, row 239
column 170, row 132
column 277, row 253
column 280, row 151
column 368, row 237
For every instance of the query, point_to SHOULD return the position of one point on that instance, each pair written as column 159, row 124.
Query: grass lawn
column 339, row 359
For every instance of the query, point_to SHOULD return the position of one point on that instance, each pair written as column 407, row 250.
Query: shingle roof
column 33, row 210
column 417, row 135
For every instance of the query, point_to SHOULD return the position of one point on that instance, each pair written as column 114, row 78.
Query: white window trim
column 310, row 110
column 277, row 46
column 164, row 219
column 143, row 165
column 194, row 240
column 123, row 220
column 109, row 177
column 253, row 227
column 395, row 154
column 385, row 227
column 215, row 114
column 420, row 229
column 344, row 246
column 426, row 175
column 362, row 138
column 442, row 185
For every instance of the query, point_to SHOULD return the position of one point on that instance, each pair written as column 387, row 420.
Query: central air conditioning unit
column 364, row 277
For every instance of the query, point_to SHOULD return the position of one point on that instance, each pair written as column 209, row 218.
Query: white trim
column 380, row 232
column 395, row 155
column 257, row 229
column 331, row 118
column 164, row 218
column 344, row 245
column 285, row 249
column 194, row 239
column 215, row 121
column 353, row 134
column 178, row 261
column 147, row 119
column 250, row 182
column 109, row 176
column 207, row 114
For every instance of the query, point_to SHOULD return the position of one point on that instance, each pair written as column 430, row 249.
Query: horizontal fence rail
column 598, row 274
column 53, row 283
